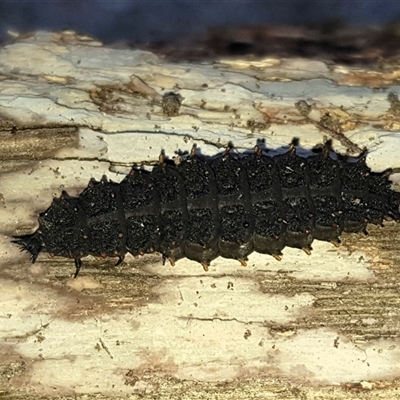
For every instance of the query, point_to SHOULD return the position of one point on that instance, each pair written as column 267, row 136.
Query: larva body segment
column 172, row 211
column 267, row 207
column 141, row 205
column 234, row 206
column 228, row 205
column 204, row 227
column 325, row 190
column 297, row 202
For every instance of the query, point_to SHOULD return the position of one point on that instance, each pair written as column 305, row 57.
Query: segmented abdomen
column 228, row 206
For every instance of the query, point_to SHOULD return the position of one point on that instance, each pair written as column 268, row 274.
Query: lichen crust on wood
column 324, row 326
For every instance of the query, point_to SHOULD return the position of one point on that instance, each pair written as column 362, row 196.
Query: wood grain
column 324, row 326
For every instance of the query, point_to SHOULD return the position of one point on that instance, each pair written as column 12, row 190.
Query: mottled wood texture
column 318, row 327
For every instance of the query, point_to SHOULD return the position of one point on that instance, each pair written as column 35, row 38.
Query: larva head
column 30, row 243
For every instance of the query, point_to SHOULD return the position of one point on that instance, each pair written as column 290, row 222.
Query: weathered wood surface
column 318, row 327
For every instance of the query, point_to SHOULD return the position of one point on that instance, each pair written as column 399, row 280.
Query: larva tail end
column 30, row 243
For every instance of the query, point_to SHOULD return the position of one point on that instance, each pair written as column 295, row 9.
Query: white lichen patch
column 209, row 329
column 335, row 360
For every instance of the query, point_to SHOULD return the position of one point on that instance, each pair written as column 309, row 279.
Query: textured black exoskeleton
column 229, row 205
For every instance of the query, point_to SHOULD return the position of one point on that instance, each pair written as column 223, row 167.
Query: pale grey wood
column 324, row 326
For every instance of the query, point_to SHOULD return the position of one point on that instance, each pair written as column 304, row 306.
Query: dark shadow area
column 343, row 31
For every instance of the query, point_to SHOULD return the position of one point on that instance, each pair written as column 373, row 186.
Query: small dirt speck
column 171, row 104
